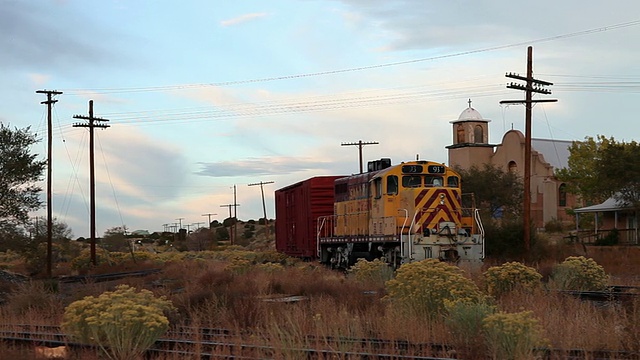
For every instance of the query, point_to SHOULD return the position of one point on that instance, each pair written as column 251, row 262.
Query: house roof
column 610, row 204
column 555, row 152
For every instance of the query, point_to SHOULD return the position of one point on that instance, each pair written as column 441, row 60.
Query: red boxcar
column 298, row 207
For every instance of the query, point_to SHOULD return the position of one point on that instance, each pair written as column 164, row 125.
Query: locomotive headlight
column 441, row 199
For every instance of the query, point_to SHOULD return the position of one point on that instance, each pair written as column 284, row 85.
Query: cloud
column 261, row 166
column 242, row 19
column 31, row 36
column 39, row 79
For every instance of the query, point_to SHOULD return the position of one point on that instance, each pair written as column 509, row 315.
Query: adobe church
column 471, row 146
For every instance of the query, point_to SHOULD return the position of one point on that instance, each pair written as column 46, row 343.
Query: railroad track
column 106, row 277
column 614, row 294
column 215, row 343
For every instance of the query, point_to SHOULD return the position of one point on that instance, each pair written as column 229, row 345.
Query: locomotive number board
column 419, row 169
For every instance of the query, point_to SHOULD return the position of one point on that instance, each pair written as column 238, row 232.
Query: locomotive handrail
column 481, row 228
column 410, row 243
column 406, row 217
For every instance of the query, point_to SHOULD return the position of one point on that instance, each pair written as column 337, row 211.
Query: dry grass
column 331, row 305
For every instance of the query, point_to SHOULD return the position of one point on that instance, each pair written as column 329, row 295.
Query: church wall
column 469, row 156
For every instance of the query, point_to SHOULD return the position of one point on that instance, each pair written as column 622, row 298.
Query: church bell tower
column 470, row 140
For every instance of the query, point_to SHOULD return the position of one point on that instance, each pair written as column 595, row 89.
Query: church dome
column 470, row 114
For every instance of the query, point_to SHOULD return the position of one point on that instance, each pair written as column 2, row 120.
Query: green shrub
column 464, row 320
column 580, row 274
column 371, row 272
column 553, row 226
column 123, row 323
column 612, row 238
column 421, row 288
column 512, row 336
column 499, row 280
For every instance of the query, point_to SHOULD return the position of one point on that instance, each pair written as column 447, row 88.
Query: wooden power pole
column 92, row 177
column 233, row 219
column 360, row 144
column 532, row 86
column 49, row 102
column 264, row 207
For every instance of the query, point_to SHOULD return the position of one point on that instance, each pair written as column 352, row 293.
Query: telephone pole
column 532, row 86
column 264, row 207
column 92, row 177
column 209, row 215
column 360, row 144
column 49, row 102
column 231, row 228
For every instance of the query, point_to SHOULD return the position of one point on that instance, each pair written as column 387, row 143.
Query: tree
column 619, row 166
column 200, row 240
column 19, row 171
column 582, row 176
column 114, row 239
column 498, row 194
column 601, row 168
column 34, row 246
column 494, row 189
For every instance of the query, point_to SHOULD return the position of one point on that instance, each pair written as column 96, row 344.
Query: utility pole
column 532, row 86
column 197, row 225
column 264, row 207
column 209, row 215
column 49, row 102
column 180, row 222
column 92, row 177
column 235, row 215
column 231, row 228
column 165, row 227
column 360, row 144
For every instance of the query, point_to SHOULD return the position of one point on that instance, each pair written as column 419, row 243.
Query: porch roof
column 608, row 205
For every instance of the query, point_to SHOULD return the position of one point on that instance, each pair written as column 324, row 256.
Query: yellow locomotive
column 402, row 213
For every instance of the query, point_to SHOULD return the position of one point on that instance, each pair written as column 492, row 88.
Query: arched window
column 562, row 195
column 460, row 134
column 513, row 167
column 478, row 134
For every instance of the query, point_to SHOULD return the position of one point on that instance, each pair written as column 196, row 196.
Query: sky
column 207, row 96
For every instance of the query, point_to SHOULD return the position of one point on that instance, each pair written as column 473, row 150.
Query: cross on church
column 469, row 102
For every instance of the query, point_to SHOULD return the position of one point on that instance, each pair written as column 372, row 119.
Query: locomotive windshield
column 412, row 181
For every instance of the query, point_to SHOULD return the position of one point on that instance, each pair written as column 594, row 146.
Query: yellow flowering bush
column 239, row 266
column 83, row 261
column 371, row 272
column 123, row 323
column 579, row 273
column 421, row 288
column 270, row 267
column 512, row 336
column 499, row 280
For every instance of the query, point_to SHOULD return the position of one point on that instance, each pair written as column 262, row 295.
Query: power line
column 354, row 69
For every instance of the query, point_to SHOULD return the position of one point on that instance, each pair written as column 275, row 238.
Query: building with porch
column 611, row 214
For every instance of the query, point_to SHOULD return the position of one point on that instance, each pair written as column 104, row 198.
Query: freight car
column 401, row 213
